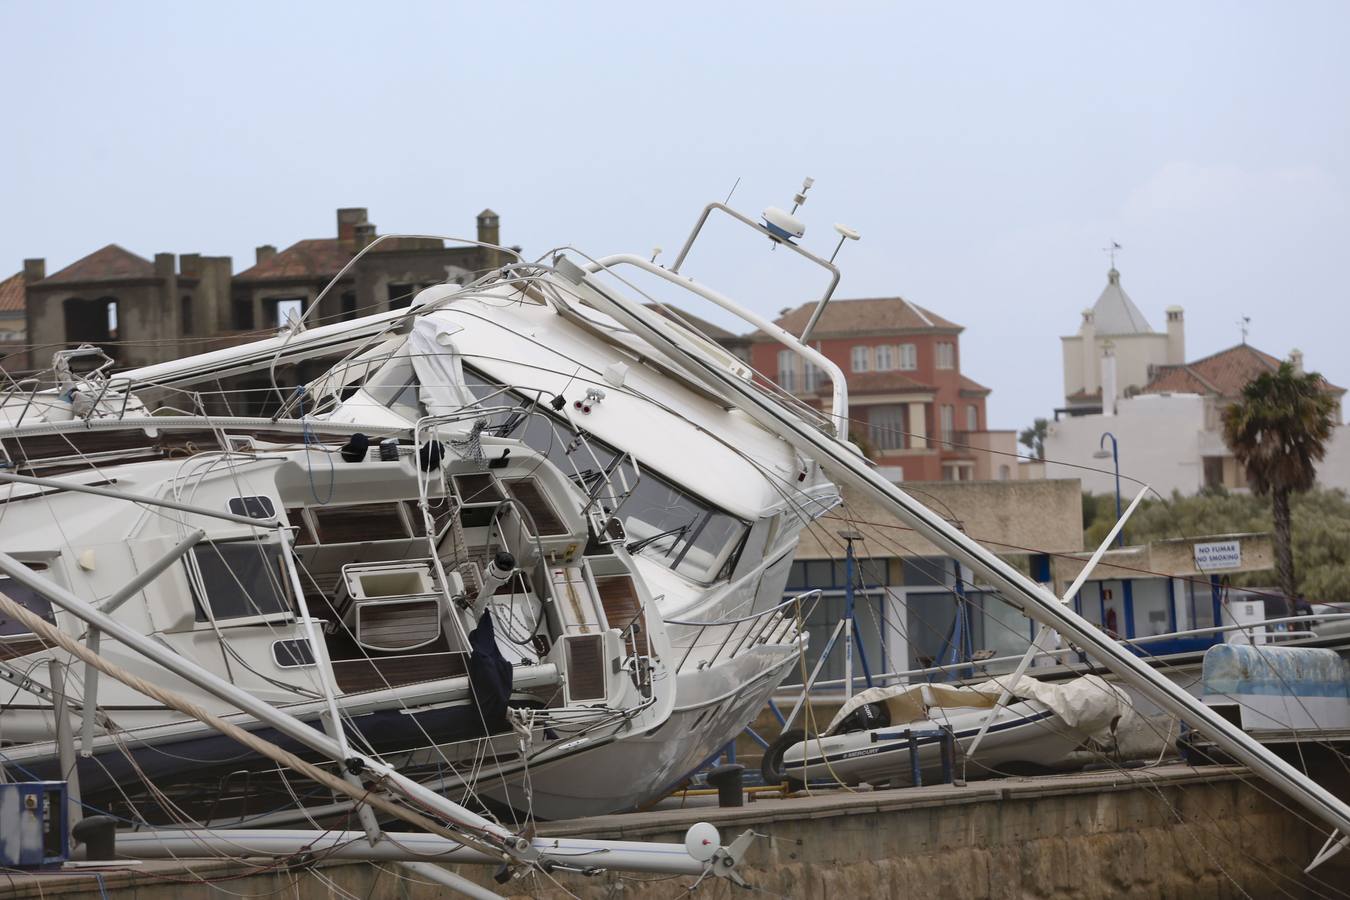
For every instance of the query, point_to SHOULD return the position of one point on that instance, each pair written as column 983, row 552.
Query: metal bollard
column 727, row 779
column 99, row 836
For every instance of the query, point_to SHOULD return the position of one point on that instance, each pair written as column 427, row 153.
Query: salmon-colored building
column 912, row 410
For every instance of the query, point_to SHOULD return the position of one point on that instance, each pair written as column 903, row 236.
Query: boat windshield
column 665, row 523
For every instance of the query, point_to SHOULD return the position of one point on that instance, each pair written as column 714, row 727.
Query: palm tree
column 1033, row 438
column 1278, row 429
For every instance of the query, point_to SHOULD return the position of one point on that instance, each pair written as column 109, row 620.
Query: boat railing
column 1058, row 656
column 17, row 390
column 724, row 638
column 612, row 478
column 809, row 355
column 837, row 418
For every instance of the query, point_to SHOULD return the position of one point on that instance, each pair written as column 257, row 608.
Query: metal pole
column 1115, row 459
column 149, row 574
column 455, row 882
column 1115, row 462
column 1034, row 600
column 820, row 664
column 848, row 619
column 243, row 700
column 143, row 578
column 620, row 856
column 65, row 742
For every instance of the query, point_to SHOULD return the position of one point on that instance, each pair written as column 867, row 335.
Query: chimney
column 347, row 220
column 34, row 270
column 190, row 264
column 264, row 253
column 1176, row 336
column 489, row 228
column 164, row 265
column 1091, row 372
column 1296, row 360
column 1108, row 379
column 365, row 234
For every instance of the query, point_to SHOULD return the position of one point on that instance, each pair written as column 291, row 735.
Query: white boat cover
column 1087, row 703
column 437, row 362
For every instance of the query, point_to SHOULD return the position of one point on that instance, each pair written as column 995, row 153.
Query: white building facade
column 1116, row 351
column 1172, row 441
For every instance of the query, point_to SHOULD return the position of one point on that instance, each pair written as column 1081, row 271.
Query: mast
column 846, row 466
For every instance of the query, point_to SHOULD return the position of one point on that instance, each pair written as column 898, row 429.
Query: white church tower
column 1117, row 347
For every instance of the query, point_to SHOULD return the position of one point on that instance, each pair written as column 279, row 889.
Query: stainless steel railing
column 708, row 642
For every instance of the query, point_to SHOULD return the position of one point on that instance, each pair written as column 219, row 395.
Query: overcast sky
column 986, row 154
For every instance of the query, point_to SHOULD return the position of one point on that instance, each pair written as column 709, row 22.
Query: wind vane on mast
column 1112, row 250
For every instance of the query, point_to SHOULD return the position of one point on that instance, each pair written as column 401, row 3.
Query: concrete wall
column 149, row 310
column 1167, row 833
column 1043, row 514
column 1158, row 436
column 146, row 312
column 995, row 453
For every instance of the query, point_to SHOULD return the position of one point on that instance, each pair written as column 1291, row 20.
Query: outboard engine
column 865, row 718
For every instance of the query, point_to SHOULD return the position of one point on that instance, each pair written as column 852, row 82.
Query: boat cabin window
column 240, row 578
column 293, row 654
column 30, row 600
column 395, row 385
column 664, row 522
column 255, row 507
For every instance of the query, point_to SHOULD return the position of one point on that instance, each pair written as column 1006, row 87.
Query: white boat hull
column 1025, row 732
column 713, row 706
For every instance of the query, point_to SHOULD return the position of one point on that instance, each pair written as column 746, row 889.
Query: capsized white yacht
column 504, row 544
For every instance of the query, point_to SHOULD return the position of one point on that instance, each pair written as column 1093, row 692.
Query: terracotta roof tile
column 973, row 386
column 312, row 258
column 12, row 294
column 111, row 263
column 1224, row 373
column 884, row 383
column 865, row 316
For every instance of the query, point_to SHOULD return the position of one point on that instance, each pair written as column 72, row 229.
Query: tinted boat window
column 664, row 522
column 29, row 600
column 242, row 578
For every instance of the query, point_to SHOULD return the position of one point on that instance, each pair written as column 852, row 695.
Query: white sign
column 1218, row 555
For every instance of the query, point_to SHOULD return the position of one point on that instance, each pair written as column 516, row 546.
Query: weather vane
column 1242, row 324
column 1112, row 250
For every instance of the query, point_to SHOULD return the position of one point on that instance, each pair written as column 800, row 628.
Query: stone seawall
column 1173, row 832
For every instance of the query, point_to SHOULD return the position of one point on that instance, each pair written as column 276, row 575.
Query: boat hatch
column 390, row 607
column 585, row 667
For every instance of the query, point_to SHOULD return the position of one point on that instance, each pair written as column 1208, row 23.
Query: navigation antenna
column 780, row 227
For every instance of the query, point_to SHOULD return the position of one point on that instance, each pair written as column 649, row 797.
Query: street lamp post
column 1115, row 462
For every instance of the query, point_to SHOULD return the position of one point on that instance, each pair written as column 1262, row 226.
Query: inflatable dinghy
column 876, row 735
